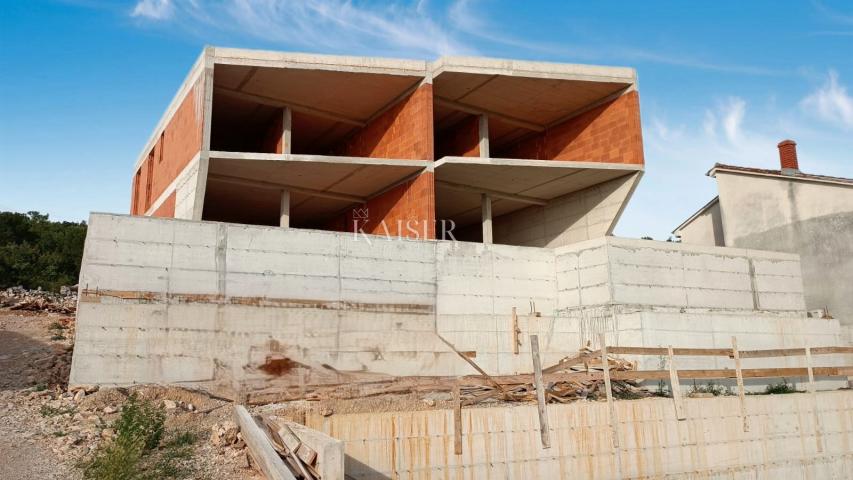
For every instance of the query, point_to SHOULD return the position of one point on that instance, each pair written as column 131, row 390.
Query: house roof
column 789, row 174
column 698, row 212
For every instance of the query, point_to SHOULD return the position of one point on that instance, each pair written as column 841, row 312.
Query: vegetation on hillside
column 36, row 252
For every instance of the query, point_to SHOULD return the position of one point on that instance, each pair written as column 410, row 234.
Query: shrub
column 138, row 451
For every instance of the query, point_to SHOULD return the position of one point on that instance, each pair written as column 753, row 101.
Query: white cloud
column 338, row 25
column 153, row 9
column 831, row 103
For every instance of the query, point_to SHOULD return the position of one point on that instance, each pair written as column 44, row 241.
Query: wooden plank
column 306, row 454
column 474, row 365
column 809, row 370
column 544, row 430
column 793, row 352
column 675, row 387
column 741, row 393
column 614, row 423
column 515, row 331
column 725, row 352
column 457, row 420
column 262, row 451
column 658, row 351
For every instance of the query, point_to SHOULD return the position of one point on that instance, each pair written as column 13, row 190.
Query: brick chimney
column 788, row 156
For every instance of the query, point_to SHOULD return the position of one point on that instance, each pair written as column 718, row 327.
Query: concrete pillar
column 484, row 135
column 287, row 131
column 284, row 211
column 487, row 218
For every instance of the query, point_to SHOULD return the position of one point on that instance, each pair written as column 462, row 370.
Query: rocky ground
column 47, row 431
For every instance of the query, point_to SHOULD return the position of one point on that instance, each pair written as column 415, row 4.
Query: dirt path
column 27, row 358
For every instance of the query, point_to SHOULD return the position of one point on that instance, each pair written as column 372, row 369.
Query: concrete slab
column 320, row 186
column 513, row 183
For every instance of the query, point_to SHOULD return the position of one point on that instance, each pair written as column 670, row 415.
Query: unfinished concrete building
column 308, row 203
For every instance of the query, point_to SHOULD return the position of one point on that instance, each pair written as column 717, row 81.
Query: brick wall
column 608, row 133
column 460, row 140
column 402, row 132
column 167, row 208
column 410, row 203
column 177, row 145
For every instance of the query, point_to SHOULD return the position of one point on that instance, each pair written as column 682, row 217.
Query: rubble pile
column 19, row 298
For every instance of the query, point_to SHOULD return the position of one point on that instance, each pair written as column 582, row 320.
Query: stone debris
column 19, row 298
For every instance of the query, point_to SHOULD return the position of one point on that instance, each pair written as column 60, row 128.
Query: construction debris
column 19, row 298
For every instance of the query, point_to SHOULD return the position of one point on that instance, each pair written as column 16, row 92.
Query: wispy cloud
column 153, row 9
column 314, row 24
column 831, row 103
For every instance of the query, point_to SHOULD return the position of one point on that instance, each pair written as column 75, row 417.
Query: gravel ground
column 45, row 431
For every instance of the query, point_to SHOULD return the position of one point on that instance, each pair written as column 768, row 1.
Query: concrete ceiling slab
column 536, row 92
column 461, row 180
column 339, row 181
column 352, row 95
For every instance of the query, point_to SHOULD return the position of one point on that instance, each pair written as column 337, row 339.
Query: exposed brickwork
column 788, row 155
column 177, row 145
column 273, row 141
column 608, row 133
column 408, row 205
column 460, row 140
column 403, row 132
column 167, row 208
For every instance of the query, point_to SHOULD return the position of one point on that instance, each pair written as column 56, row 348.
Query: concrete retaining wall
column 180, row 301
column 790, row 436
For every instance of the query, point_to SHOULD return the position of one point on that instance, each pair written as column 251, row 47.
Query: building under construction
column 340, row 221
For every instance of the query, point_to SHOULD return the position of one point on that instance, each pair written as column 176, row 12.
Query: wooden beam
column 281, row 186
column 614, row 422
column 486, row 202
column 457, row 419
column 492, row 193
column 809, row 370
column 515, row 331
column 659, row 351
column 476, row 367
column 544, row 430
column 741, row 393
column 793, row 352
column 675, row 387
column 479, row 111
column 262, row 451
column 297, row 107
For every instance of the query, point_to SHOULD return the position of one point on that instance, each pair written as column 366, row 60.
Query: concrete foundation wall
column 790, row 436
column 212, row 303
column 814, row 220
column 578, row 216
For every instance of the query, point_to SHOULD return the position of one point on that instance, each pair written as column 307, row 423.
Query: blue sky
column 83, row 82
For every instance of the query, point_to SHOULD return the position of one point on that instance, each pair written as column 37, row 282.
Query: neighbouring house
column 785, row 210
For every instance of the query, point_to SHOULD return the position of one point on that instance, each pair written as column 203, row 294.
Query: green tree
column 35, row 252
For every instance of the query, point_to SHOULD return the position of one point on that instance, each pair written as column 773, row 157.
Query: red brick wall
column 460, row 140
column 178, row 144
column 167, row 208
column 608, row 133
column 273, row 143
column 410, row 203
column 403, row 132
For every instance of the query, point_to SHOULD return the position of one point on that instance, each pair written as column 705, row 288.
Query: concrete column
column 287, row 131
column 484, row 135
column 284, row 212
column 487, row 218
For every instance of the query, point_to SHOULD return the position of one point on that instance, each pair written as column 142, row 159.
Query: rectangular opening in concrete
column 531, row 200
column 247, row 188
column 328, row 108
